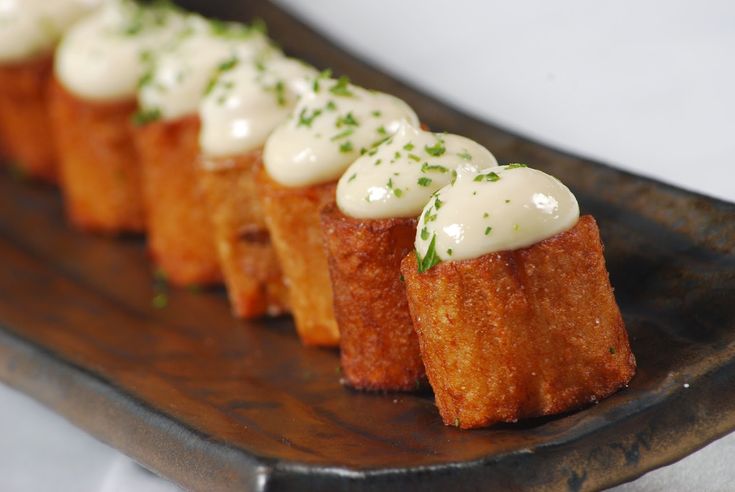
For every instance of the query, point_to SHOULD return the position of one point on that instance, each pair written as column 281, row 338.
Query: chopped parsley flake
column 324, row 74
column 515, row 165
column 489, row 177
column 424, row 234
column 424, row 181
column 376, row 114
column 331, row 106
column 228, row 64
column 145, row 116
column 341, row 88
column 377, row 163
column 347, row 120
column 346, row 147
column 465, row 155
column 449, row 252
column 381, row 130
column 306, row 119
column 397, row 155
column 612, row 350
column 280, row 90
column 430, row 259
column 397, row 192
column 438, row 203
column 485, row 215
column 409, row 147
column 352, row 177
column 436, row 150
column 343, row 134
column 488, row 230
column 426, row 168
column 454, row 176
column 414, row 157
column 507, row 201
column 516, row 227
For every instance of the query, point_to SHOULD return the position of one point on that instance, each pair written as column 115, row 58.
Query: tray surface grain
column 216, row 404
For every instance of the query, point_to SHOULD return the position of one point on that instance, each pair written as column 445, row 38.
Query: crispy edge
column 180, row 232
column 255, row 284
column 292, row 217
column 520, row 333
column 379, row 347
column 24, row 117
column 99, row 169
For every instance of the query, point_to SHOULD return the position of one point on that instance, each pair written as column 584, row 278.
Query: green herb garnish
column 341, row 88
column 489, row 177
column 424, row 181
column 346, row 147
column 436, row 150
column 430, row 259
column 145, row 116
column 306, row 119
column 346, row 120
column 426, row 168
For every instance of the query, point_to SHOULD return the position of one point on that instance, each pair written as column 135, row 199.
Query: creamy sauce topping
column 498, row 209
column 30, row 28
column 398, row 177
column 328, row 129
column 181, row 70
column 248, row 100
column 102, row 57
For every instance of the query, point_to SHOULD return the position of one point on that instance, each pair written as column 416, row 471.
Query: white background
column 646, row 86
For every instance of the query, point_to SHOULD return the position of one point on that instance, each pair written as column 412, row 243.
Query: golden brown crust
column 180, row 231
column 521, row 333
column 24, row 117
column 253, row 276
column 292, row 217
column 99, row 169
column 379, row 347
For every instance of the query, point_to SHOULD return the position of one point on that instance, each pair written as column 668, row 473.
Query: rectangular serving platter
column 216, row 404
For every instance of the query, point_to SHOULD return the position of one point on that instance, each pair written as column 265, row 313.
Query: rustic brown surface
column 99, row 169
column 378, row 345
column 520, row 334
column 255, row 284
column 24, row 118
column 215, row 404
column 180, row 231
column 292, row 216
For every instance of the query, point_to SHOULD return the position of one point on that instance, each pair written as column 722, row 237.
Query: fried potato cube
column 523, row 333
column 99, row 169
column 25, row 128
column 292, row 217
column 255, row 284
column 180, row 231
column 379, row 348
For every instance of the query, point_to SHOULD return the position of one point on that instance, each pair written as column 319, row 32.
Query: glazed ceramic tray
column 216, row 404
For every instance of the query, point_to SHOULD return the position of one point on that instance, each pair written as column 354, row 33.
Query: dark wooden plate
column 214, row 404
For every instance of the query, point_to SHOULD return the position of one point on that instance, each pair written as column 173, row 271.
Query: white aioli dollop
column 182, row 69
column 30, row 28
column 248, row 101
column 102, row 57
column 327, row 130
column 498, row 209
column 398, row 177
